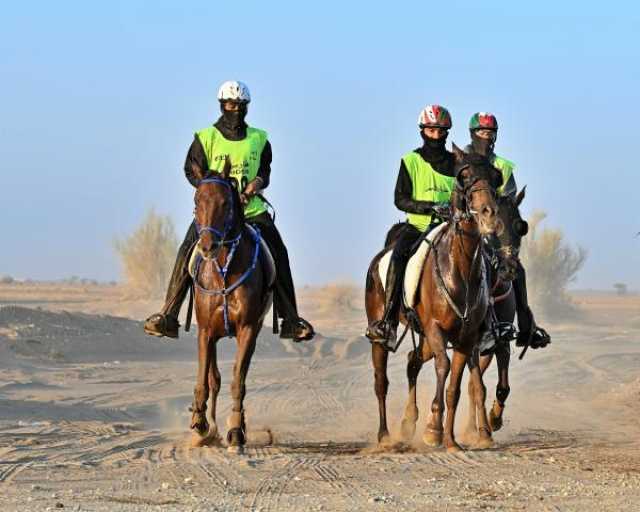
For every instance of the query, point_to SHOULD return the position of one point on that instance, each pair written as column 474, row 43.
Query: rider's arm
column 404, row 194
column 264, row 171
column 195, row 156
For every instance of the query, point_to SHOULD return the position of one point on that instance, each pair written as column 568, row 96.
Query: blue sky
column 99, row 102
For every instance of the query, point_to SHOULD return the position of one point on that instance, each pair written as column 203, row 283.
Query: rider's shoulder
column 501, row 162
column 251, row 130
column 208, row 132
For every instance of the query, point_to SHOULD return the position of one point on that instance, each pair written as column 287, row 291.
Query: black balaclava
column 435, row 152
column 482, row 147
column 231, row 123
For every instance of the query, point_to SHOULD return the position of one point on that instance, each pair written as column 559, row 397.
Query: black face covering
column 482, row 147
column 231, row 123
column 434, row 152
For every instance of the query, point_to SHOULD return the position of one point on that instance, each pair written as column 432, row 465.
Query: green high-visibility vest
column 506, row 167
column 244, row 156
column 428, row 185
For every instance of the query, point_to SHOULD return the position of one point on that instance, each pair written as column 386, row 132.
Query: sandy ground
column 93, row 416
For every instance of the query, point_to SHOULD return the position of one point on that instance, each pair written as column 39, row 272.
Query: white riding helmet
column 233, row 90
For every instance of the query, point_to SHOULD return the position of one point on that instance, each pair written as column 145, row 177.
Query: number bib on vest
column 428, row 185
column 244, row 156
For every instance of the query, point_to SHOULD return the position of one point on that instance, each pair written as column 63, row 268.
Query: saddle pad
column 265, row 257
column 414, row 267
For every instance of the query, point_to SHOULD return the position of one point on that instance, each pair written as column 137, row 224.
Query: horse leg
column 433, row 431
column 414, row 365
column 199, row 421
column 480, row 395
column 214, row 387
column 453, row 396
column 379, row 357
column 236, row 436
column 470, row 435
column 503, row 356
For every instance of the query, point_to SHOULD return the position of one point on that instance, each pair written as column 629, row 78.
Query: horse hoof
column 236, row 450
column 469, row 437
column 209, row 439
column 483, row 443
column 454, row 448
column 384, row 440
column 432, row 438
column 407, row 430
column 495, row 421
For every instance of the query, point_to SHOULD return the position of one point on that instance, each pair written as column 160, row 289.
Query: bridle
column 228, row 220
column 233, row 245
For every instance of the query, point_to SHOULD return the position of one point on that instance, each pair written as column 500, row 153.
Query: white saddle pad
column 265, row 257
column 414, row 267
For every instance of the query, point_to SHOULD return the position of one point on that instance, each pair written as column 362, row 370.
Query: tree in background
column 620, row 288
column 551, row 264
column 148, row 254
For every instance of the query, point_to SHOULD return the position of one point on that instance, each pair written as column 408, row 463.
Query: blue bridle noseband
column 228, row 221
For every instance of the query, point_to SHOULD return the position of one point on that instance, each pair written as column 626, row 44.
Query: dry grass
column 147, row 255
column 551, row 264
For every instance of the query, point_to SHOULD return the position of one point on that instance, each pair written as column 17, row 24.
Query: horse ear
column 520, row 196
column 458, row 153
column 197, row 171
column 226, row 170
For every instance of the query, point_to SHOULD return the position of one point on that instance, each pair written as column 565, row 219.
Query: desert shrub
column 620, row 288
column 551, row 264
column 148, row 254
column 6, row 279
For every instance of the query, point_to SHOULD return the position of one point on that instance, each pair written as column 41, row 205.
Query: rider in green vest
column 483, row 127
column 425, row 181
column 249, row 152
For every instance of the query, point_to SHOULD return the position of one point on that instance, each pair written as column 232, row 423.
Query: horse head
column 218, row 210
column 474, row 198
column 507, row 241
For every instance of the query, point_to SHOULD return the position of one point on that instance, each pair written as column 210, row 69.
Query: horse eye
column 521, row 227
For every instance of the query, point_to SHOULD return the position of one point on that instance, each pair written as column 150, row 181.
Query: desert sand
column 94, row 415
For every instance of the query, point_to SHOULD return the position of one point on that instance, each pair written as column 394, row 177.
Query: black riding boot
column 385, row 330
column 529, row 333
column 166, row 322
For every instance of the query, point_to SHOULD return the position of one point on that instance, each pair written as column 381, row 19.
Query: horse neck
column 465, row 238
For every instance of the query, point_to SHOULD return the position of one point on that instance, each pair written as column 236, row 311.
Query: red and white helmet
column 434, row 116
column 233, row 90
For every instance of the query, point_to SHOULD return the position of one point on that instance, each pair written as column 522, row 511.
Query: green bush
column 551, row 264
column 148, row 254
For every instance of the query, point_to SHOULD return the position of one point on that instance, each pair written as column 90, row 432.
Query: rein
column 233, row 243
column 469, row 306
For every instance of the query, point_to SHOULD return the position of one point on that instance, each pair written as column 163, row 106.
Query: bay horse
column 507, row 250
column 453, row 280
column 232, row 295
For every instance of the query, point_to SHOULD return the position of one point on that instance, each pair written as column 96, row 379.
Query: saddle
column 265, row 257
column 414, row 266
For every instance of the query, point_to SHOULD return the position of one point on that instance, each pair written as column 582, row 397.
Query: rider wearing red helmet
column 483, row 128
column 423, row 188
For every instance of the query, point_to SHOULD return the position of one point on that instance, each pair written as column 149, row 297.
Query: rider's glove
column 252, row 188
column 442, row 210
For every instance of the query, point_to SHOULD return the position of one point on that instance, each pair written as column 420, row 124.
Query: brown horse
column 232, row 296
column 504, row 304
column 452, row 305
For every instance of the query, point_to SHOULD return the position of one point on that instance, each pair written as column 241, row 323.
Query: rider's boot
column 296, row 329
column 165, row 323
column 529, row 333
column 385, row 330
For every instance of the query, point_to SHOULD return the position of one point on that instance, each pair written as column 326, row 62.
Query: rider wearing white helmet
column 250, row 155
